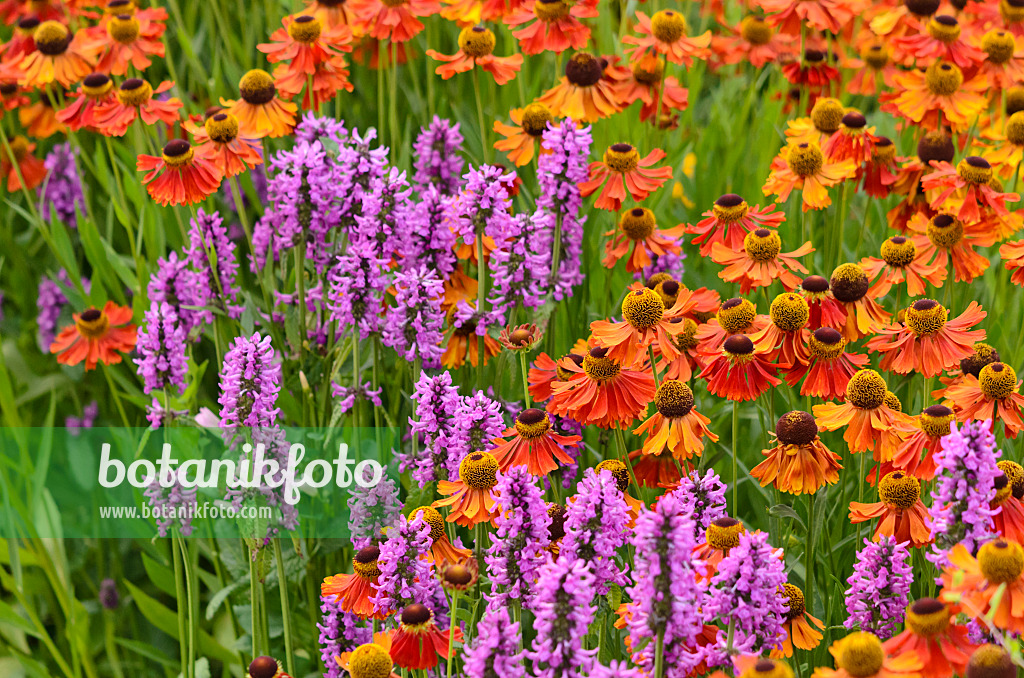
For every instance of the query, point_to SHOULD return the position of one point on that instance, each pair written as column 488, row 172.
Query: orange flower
column 825, row 310
column 920, row 97
column 850, row 286
column 939, row 39
column 675, row 426
column 128, row 40
column 638, row 232
column 442, row 551
column 734, row 316
column 305, row 43
column 861, row 655
column 803, row 167
column 814, row 72
column 871, row 425
column 218, row 141
column 824, row 15
column 260, row 112
column 740, row 371
column 179, row 176
column 96, row 89
column 665, row 33
column 829, row 368
column 31, row 168
column 338, row 12
column 916, row 454
column 646, row 82
column 1004, row 58
column 826, row 117
column 134, row 99
column 797, row 626
column 476, row 47
column 880, row 169
column 786, row 337
column 96, row 337
column 940, row 644
column 1012, row 254
column 949, row 240
column 902, row 513
column 760, row 262
column 622, row 169
column 418, row 644
column 969, row 185
column 1008, row 519
column 523, row 139
column 58, row 56
column 376, row 654
column 799, row 463
column 871, row 68
column 755, row 41
column 39, row 118
column 534, row 444
column 854, row 140
column 685, row 343
column 557, row 26
column 901, row 262
column 544, row 372
column 992, row 395
column 645, row 322
column 21, row 43
column 729, row 220
column 584, row 93
column 354, row 592
column 469, row 498
column 989, row 587
column 601, row 391
column 395, row 20
column 928, row 343
column 463, row 344
column 329, row 78
column 658, row 470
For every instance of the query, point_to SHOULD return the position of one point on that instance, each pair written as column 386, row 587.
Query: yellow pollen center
column 999, row 45
column 824, row 350
column 688, row 337
column 827, row 115
column 673, row 399
column 668, row 25
column 1011, row 14
column 730, row 213
column 479, row 470
column 929, row 619
column 305, row 29
column 945, row 231
column 755, row 30
column 943, row 79
column 805, row 159
column 637, row 223
column 761, row 245
column 936, row 425
column 600, row 369
column 997, row 381
column 531, row 430
column 476, row 41
column 1001, row 561
column 222, row 128
column 849, row 283
column 97, row 91
column 370, row 661
column 1014, row 473
column 618, row 471
column 724, row 534
column 535, row 119
column 92, row 323
column 738, row 317
column 926, row 317
column 432, row 517
column 621, row 158
column 257, row 87
column 860, row 654
column 866, row 390
column 551, row 11
column 19, row 147
column 875, row 56
column 135, row 96
column 1015, row 129
column 892, row 402
column 643, row 308
column 649, row 71
column 370, row 570
column 124, row 28
column 944, row 32
column 179, row 160
column 51, row 38
column 899, row 252
column 974, row 174
column 899, row 489
column 790, row 312
column 795, row 601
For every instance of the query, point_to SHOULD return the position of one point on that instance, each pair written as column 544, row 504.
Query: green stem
column 253, row 606
column 393, row 98
column 526, row 381
column 190, row 586
column 180, row 597
column 809, row 559
column 116, row 395
column 481, row 280
column 451, row 631
column 659, row 655
column 654, row 366
column 480, row 116
column 735, row 450
column 289, row 654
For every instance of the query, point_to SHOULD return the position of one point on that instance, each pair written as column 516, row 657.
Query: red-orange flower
column 96, row 337
column 902, row 513
column 134, row 99
column 523, row 138
column 442, row 551
column 949, row 240
column 939, row 39
column 920, row 97
column 557, row 26
column 851, row 287
column 469, row 498
column 824, row 15
column 354, row 592
column 620, row 170
column 969, row 185
column 902, row 262
column 1012, row 254
column 665, row 33
column 637, row 231
column 647, row 82
column 755, row 41
column 854, row 140
column 734, row 316
column 260, row 112
column 932, row 634
column 922, row 441
column 804, row 167
column 645, row 322
column 799, row 462
column 306, row 42
column 871, row 425
column 476, row 47
column 59, row 56
column 584, row 94
column 179, row 176
column 218, row 140
column 739, row 371
column 990, row 587
column 785, row 337
column 1004, row 58
column 31, row 168
column 928, row 343
column 395, row 20
column 534, row 444
column 418, row 644
column 96, row 89
column 829, row 368
column 992, row 395
column 601, row 391
column 729, row 220
column 1008, row 519
column 826, row 310
column 761, row 261
column 798, row 625
column 128, row 40
column 675, row 426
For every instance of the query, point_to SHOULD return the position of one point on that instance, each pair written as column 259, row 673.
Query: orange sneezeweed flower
column 600, row 391
column 729, row 220
column 260, row 112
column 950, row 241
column 546, row 371
column 850, row 286
column 96, row 337
column 639, row 237
column 993, row 395
column 785, row 337
column 1008, row 519
column 556, row 25
column 940, row 39
column 761, row 261
column 307, row 48
column 134, row 99
column 754, row 41
column 932, row 634
column 665, row 33
column 59, row 56
column 928, row 342
column 338, row 12
column 797, row 627
column 128, row 40
column 920, row 97
column 872, row 67
column 418, row 644
column 354, row 592
column 862, row 655
column 803, row 166
column 523, row 139
column 476, row 47
column 854, row 140
column 675, row 425
column 902, row 262
column 969, row 184
column 584, row 93
column 442, row 551
column 1012, row 254
column 469, row 499
column 179, row 176
column 871, row 425
column 96, row 89
column 916, row 454
column 646, row 81
column 645, row 322
column 824, row 121
column 789, row 15
column 395, row 20
column 31, row 168
column 218, row 141
column 798, row 463
column 990, row 586
column 734, row 316
column 829, row 368
column 534, row 444
column 826, row 310
column 21, row 43
column 739, row 371
column 902, row 513
column 620, row 170
column 1004, row 58
column 814, row 71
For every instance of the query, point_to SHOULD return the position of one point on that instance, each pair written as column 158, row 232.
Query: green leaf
column 218, row 598
column 146, row 650
column 158, row 573
column 9, row 616
column 785, row 511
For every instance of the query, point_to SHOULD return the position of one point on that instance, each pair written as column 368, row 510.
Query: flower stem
column 654, row 366
column 481, row 280
column 809, row 560
column 180, row 597
column 659, row 654
column 735, row 440
column 480, row 116
column 289, row 653
column 451, row 631
column 526, row 381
